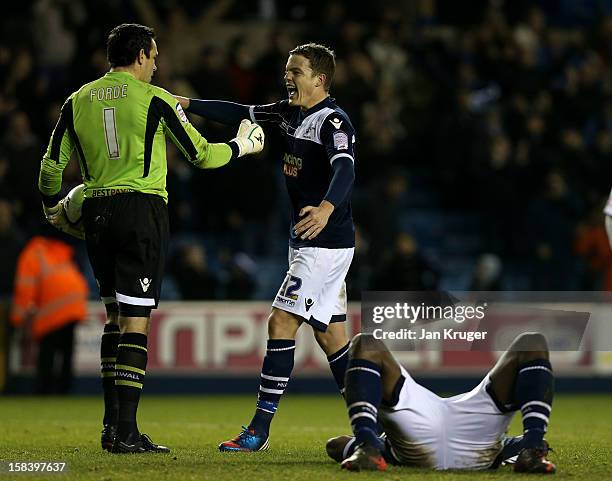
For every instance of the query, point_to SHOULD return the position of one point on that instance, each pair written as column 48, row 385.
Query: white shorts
column 314, row 286
column 460, row 432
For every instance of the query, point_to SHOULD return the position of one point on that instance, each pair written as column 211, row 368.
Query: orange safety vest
column 49, row 287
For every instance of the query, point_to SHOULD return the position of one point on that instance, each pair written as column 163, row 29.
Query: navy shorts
column 127, row 241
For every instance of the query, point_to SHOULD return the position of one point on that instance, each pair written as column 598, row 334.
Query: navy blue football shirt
column 315, row 138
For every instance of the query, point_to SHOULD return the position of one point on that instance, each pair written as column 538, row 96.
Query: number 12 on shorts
column 292, row 285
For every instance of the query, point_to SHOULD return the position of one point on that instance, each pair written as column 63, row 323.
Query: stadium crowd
column 484, row 135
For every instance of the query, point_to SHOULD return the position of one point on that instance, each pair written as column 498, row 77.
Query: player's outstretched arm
column 249, row 139
column 218, row 110
column 197, row 149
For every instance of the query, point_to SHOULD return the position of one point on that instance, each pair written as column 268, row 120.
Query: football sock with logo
column 363, row 396
column 337, row 363
column 108, row 358
column 275, row 373
column 129, row 378
column 534, row 393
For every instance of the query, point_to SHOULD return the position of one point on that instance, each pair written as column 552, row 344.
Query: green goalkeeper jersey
column 118, row 126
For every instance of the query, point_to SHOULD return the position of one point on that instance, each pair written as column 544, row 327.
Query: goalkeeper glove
column 56, row 216
column 249, row 139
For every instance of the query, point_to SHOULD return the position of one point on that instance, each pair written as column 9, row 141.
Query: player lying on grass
column 461, row 432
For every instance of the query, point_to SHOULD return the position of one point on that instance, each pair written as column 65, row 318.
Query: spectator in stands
column 487, row 274
column 550, row 224
column 11, row 243
column 433, row 94
column 380, row 212
column 23, row 151
column 190, row 271
column 358, row 278
column 406, row 270
column 240, row 283
column 592, row 246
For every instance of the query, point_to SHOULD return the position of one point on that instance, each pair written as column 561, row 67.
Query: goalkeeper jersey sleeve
column 118, row 127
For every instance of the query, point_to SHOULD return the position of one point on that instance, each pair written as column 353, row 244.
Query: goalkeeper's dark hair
column 125, row 42
column 322, row 60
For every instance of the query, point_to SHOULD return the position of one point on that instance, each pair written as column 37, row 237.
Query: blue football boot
column 247, row 441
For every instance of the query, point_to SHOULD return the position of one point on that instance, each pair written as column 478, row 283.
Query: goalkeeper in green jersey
column 118, row 126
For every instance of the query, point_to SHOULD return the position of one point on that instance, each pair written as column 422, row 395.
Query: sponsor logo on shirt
column 291, row 165
column 109, row 192
column 285, row 301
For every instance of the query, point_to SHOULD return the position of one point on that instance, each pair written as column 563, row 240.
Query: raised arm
column 217, row 110
column 231, row 112
column 196, row 148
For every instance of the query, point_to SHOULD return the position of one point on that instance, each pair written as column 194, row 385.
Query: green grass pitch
column 67, row 429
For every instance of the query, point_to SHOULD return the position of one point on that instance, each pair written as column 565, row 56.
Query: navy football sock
column 129, row 378
column 275, row 373
column 534, row 393
column 108, row 359
column 363, row 396
column 337, row 363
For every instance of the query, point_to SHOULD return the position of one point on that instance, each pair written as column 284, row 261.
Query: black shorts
column 127, row 240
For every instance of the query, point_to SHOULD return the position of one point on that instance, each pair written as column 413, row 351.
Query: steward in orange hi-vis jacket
column 48, row 286
column 50, row 296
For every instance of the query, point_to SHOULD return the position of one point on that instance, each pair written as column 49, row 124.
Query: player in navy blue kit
column 318, row 165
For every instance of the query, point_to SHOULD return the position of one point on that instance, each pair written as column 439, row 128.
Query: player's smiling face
column 304, row 87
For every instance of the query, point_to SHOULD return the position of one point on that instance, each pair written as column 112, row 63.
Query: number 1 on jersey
column 110, row 132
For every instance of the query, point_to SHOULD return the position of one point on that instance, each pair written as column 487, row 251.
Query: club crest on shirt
column 181, row 112
column 340, row 140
